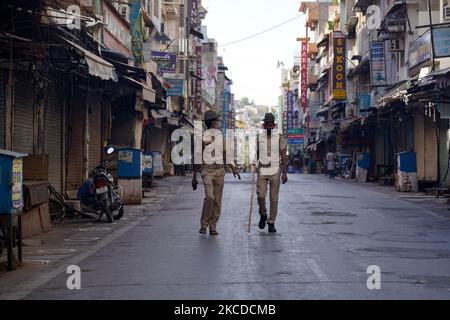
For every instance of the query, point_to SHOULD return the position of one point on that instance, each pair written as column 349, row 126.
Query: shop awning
column 163, row 114
column 98, row 67
column 148, row 94
column 395, row 94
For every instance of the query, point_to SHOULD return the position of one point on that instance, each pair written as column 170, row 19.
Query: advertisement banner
column 378, row 67
column 339, row 75
column 166, row 61
column 304, row 76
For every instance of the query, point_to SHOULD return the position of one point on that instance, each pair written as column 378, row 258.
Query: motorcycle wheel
column 119, row 213
column 107, row 212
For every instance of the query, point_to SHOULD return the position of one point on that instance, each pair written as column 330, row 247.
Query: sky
column 252, row 63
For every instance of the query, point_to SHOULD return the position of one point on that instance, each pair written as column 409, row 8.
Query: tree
column 245, row 101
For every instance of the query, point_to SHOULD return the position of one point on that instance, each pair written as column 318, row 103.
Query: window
column 156, row 8
column 148, row 6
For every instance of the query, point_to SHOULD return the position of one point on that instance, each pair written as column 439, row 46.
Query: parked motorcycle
column 108, row 201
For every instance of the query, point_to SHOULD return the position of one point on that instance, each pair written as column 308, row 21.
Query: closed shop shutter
column 443, row 151
column 75, row 143
column 425, row 144
column 2, row 109
column 95, row 132
column 23, row 114
column 431, row 150
column 53, row 137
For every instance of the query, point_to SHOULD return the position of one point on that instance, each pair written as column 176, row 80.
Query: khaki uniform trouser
column 261, row 188
column 213, row 181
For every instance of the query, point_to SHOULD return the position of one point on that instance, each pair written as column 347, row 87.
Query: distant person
column 331, row 165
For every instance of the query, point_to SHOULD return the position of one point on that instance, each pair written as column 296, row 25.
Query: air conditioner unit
column 123, row 10
column 396, row 45
column 446, row 13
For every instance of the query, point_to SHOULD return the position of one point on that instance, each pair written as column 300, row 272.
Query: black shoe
column 272, row 227
column 213, row 232
column 202, row 231
column 262, row 222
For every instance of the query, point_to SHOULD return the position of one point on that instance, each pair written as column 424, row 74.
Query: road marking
column 317, row 271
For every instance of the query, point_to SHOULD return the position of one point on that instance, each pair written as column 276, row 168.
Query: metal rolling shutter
column 75, row 144
column 443, row 151
column 2, row 109
column 431, row 150
column 95, row 132
column 23, row 114
column 53, row 137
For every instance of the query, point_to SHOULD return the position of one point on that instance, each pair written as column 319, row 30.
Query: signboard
column 166, row 61
column 314, row 121
column 289, row 110
column 136, row 31
column 420, row 50
column 378, row 67
column 296, row 131
column 304, row 76
column 198, row 82
column 339, row 77
column 176, row 87
column 441, row 36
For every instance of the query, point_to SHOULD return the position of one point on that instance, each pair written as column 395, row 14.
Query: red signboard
column 304, row 76
column 198, row 82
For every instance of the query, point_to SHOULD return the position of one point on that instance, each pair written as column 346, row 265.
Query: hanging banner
column 136, row 33
column 378, row 64
column 304, row 76
column 339, row 75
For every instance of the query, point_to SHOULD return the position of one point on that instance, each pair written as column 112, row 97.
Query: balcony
column 312, row 14
column 312, row 49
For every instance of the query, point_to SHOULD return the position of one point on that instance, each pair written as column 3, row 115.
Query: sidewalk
column 49, row 254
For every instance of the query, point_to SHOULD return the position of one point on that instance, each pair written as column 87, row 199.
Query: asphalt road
column 329, row 233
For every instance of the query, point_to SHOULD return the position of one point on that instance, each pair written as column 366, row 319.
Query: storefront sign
column 166, row 61
column 198, row 81
column 441, row 37
column 289, row 110
column 420, row 50
column 378, row 63
column 175, row 87
column 339, row 77
column 304, row 76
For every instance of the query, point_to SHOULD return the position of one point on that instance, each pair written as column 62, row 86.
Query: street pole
column 432, row 36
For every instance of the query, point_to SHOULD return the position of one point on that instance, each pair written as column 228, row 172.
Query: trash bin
column 129, row 174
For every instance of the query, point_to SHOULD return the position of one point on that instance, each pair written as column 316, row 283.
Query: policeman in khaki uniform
column 269, row 174
column 213, row 181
